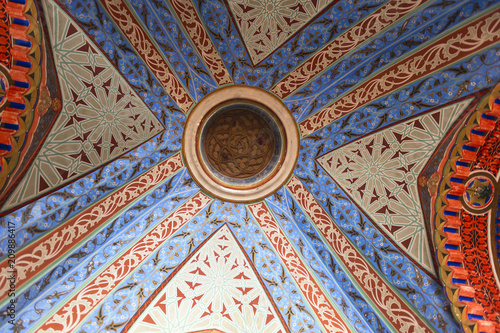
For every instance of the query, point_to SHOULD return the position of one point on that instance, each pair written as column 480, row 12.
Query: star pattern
column 101, row 118
column 216, row 288
column 380, row 174
column 266, row 24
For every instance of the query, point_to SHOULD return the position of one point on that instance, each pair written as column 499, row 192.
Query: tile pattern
column 380, row 174
column 215, row 288
column 265, row 25
column 461, row 43
column 101, row 119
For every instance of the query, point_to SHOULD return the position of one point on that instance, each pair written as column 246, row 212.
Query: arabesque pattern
column 59, row 241
column 472, row 37
column 70, row 315
column 192, row 23
column 380, row 174
column 464, row 233
column 119, row 308
column 132, row 238
column 395, row 310
column 102, row 117
column 340, row 46
column 325, row 311
column 123, row 17
column 265, row 25
column 205, row 293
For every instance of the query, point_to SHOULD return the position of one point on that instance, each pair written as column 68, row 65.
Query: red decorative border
column 68, row 317
column 463, row 42
column 343, row 44
column 201, row 40
column 318, row 301
column 401, row 316
column 42, row 253
column 139, row 39
column 461, row 234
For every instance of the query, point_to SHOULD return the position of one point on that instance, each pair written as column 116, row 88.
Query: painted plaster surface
column 216, row 288
column 102, row 116
column 265, row 25
column 380, row 172
column 115, row 235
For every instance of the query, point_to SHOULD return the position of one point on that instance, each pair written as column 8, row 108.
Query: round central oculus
column 240, row 143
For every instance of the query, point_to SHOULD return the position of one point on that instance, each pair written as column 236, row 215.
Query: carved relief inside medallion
column 239, row 143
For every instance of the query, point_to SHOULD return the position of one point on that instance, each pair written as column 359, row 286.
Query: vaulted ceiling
column 112, row 233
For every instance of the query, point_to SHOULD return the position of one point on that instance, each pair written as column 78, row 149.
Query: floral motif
column 42, row 253
column 123, row 17
column 400, row 315
column 327, row 314
column 69, row 316
column 464, row 214
column 191, row 21
column 463, row 42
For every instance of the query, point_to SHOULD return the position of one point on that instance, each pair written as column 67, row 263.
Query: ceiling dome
column 249, row 166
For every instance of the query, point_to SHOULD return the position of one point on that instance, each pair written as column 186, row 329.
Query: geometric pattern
column 190, row 19
column 217, row 288
column 265, row 25
column 99, row 285
column 327, row 314
column 38, row 255
column 395, row 309
column 141, row 42
column 461, row 43
column 380, row 171
column 101, row 117
column 343, row 44
column 401, row 67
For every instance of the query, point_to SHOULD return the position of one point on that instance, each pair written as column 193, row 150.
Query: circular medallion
column 479, row 192
column 240, row 143
column 5, row 83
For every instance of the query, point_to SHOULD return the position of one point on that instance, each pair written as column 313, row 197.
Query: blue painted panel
column 181, row 55
column 384, row 50
column 324, row 265
column 34, row 220
column 79, row 267
column 174, row 251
